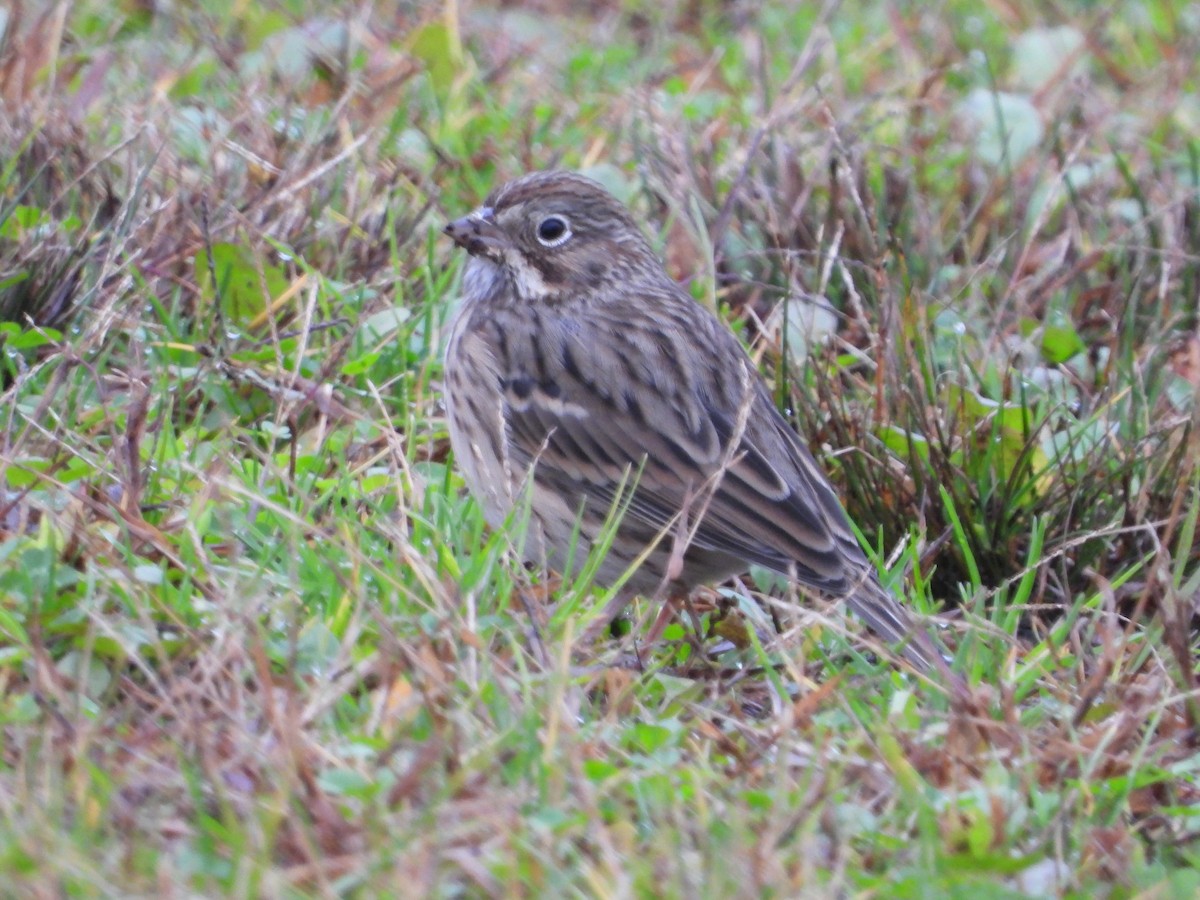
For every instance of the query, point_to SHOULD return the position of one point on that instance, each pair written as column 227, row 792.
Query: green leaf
column 194, row 80
column 15, row 278
column 25, row 473
column 598, row 769
column 902, row 442
column 385, row 323
column 33, row 338
column 242, row 283
column 648, row 737
column 346, row 783
column 1039, row 54
column 1006, row 126
column 440, row 49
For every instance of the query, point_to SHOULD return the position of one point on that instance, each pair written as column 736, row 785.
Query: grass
column 256, row 641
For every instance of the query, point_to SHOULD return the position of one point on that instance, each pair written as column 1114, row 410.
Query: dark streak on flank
column 493, row 437
column 667, row 353
column 539, row 357
column 572, row 367
column 501, row 340
column 631, row 372
column 521, row 386
column 633, row 407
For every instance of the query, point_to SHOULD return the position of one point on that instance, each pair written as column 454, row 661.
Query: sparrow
column 577, row 370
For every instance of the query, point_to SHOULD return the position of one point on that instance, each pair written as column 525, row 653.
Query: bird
column 581, row 379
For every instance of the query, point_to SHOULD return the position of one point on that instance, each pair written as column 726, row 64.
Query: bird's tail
column 896, row 625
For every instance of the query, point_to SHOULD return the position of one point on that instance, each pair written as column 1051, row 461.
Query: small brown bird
column 576, row 368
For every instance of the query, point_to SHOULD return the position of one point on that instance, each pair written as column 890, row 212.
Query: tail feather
column 886, row 617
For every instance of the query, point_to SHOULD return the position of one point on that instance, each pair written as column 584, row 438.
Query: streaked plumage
column 576, row 358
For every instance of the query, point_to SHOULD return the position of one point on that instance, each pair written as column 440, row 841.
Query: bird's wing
column 703, row 431
column 693, row 415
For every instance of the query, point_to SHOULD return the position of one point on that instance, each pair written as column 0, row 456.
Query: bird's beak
column 478, row 234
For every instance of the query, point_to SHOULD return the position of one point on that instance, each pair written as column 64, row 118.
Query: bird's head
column 554, row 233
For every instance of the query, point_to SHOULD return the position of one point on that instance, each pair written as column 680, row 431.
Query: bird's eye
column 553, row 231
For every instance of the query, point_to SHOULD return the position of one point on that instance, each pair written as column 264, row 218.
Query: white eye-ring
column 553, row 231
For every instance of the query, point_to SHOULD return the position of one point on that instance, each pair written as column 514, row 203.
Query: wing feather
column 710, row 441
